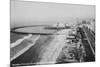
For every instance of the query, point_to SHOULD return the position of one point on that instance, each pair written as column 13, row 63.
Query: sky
column 34, row 13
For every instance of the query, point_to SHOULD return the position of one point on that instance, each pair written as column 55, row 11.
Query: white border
column 89, row 2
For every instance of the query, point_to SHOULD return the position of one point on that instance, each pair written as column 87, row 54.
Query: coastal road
column 88, row 40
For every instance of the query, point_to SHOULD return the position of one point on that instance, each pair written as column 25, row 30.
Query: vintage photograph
column 51, row 33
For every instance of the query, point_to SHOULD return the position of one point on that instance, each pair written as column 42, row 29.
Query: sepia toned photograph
column 43, row 33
